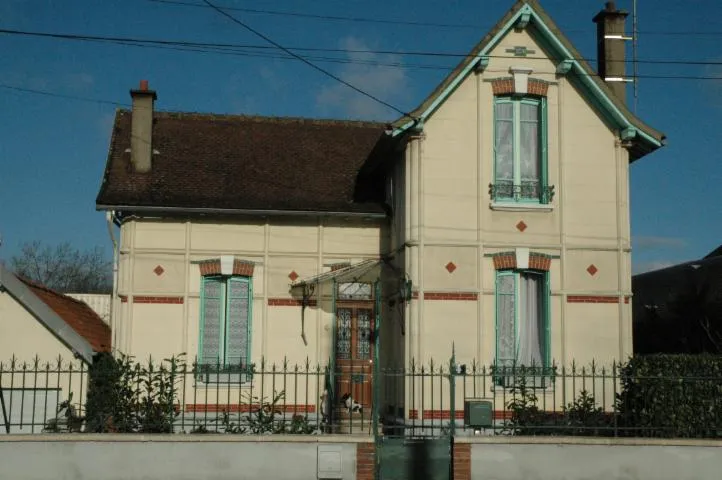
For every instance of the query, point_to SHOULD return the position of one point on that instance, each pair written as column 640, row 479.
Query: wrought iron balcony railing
column 529, row 191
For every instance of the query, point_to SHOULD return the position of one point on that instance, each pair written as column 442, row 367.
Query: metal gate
column 421, row 448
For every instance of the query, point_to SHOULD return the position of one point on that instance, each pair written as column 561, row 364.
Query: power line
column 231, row 46
column 304, row 60
column 342, row 18
column 61, row 95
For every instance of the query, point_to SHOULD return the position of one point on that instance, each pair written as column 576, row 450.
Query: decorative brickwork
column 505, row 260
column 505, row 86
column 537, row 261
column 365, row 461
column 595, row 299
column 462, row 461
column 213, row 267
column 289, row 302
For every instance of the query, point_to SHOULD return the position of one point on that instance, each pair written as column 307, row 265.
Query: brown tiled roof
column 245, row 162
column 75, row 313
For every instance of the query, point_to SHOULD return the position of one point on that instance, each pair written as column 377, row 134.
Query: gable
column 561, row 59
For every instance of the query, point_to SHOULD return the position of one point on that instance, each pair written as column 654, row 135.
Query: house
column 47, row 341
column 492, row 220
column 678, row 309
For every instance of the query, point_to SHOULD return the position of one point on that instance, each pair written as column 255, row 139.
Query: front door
column 355, row 353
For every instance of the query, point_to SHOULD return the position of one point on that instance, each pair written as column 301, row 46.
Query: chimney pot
column 144, row 85
column 611, row 47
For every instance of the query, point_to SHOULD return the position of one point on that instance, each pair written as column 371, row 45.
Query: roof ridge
column 262, row 118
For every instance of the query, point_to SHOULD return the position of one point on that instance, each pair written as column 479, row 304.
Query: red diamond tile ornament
column 450, row 267
column 293, row 276
column 521, row 226
column 592, row 270
column 158, row 270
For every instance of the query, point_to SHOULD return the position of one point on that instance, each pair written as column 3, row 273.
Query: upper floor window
column 520, row 146
column 225, row 322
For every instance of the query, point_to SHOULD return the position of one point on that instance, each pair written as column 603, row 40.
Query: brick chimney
column 611, row 48
column 141, row 141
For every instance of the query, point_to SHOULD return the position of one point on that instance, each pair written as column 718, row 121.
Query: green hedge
column 667, row 396
column 671, row 396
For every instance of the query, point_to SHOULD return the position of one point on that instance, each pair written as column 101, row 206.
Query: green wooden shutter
column 505, row 318
column 237, row 343
column 211, row 321
column 547, row 312
column 543, row 150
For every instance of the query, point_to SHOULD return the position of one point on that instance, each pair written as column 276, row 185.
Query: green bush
column 671, row 396
column 125, row 396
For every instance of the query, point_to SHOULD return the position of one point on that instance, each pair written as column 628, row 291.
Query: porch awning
column 364, row 271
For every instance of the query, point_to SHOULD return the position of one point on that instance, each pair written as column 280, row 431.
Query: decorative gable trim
column 508, row 261
column 646, row 139
column 214, row 267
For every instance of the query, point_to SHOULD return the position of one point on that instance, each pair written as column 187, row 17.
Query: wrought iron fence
column 118, row 394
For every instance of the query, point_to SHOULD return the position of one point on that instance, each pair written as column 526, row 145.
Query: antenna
column 635, row 63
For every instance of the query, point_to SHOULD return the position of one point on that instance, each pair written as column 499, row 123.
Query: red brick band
column 458, row 414
column 595, row 299
column 289, row 302
column 245, row 408
column 365, row 461
column 213, row 267
column 148, row 299
column 505, row 86
column 469, row 296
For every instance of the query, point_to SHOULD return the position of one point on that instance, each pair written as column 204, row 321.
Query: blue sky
column 53, row 150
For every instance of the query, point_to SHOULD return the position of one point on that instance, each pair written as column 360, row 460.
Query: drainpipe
column 109, row 215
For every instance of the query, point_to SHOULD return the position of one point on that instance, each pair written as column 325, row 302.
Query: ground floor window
column 522, row 319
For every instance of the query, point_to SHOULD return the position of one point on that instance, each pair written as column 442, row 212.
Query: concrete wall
column 589, row 459
column 116, row 457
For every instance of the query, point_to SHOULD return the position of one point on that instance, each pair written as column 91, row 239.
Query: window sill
column 521, row 207
column 232, row 379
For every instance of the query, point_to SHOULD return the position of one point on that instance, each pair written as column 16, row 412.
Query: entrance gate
column 421, row 449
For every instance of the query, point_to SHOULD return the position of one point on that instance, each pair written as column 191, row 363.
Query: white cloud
column 388, row 83
column 646, row 242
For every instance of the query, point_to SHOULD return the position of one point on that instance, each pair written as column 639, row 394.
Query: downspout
column 109, row 217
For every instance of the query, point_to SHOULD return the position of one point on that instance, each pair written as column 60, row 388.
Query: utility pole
column 635, row 63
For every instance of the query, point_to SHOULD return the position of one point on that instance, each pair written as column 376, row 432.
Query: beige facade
column 448, row 232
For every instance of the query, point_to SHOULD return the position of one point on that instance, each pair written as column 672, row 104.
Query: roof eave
column 236, row 211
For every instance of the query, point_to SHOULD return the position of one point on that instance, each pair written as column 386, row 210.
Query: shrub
column 671, row 396
column 125, row 396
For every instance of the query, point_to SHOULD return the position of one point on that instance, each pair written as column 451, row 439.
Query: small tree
column 64, row 268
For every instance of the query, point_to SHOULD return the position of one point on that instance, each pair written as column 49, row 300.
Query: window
column 225, row 323
column 520, row 167
column 522, row 321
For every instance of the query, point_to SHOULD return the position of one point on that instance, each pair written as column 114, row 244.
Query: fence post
column 452, row 391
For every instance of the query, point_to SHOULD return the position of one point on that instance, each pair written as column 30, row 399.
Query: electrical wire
column 232, row 46
column 61, row 95
column 306, row 61
column 342, row 18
